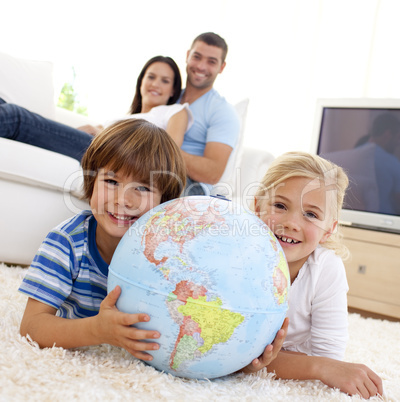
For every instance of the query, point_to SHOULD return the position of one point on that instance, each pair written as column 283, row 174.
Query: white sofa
column 39, row 188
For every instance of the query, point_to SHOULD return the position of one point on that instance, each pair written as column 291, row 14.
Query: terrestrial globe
column 213, row 279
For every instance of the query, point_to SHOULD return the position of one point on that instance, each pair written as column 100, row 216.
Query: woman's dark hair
column 136, row 105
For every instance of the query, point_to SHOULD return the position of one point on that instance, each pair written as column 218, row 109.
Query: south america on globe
column 213, row 279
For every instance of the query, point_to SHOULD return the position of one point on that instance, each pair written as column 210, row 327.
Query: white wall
column 283, row 55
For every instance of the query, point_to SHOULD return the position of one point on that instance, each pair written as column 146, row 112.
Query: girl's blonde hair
column 302, row 164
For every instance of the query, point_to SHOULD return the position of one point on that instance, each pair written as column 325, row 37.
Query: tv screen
column 363, row 137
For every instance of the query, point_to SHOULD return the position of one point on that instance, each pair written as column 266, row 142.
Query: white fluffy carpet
column 28, row 373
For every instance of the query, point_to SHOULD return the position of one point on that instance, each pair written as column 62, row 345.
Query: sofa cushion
column 37, row 167
column 228, row 181
column 28, row 83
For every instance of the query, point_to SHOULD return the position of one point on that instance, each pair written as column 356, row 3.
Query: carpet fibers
column 97, row 373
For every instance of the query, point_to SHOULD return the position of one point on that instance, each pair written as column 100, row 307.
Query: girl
column 299, row 199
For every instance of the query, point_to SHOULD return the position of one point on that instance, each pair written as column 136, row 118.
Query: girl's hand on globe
column 115, row 328
column 270, row 352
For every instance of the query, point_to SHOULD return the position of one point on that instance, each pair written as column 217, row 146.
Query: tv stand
column 373, row 270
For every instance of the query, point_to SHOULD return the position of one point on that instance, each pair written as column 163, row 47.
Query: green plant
column 68, row 98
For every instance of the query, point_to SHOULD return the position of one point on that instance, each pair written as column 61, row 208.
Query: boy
column 128, row 169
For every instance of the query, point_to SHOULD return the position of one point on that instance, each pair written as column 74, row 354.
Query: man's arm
column 209, row 167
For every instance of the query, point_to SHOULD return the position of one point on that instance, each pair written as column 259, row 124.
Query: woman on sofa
column 158, row 85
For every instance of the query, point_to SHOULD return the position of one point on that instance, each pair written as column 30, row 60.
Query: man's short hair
column 212, row 39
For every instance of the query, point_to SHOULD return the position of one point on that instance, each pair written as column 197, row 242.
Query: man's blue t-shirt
column 215, row 120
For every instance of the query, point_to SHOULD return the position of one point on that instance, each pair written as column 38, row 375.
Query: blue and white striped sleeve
column 49, row 278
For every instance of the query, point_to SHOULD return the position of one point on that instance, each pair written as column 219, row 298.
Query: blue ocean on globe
column 213, row 279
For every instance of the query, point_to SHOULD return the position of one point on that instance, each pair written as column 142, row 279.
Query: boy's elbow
column 23, row 328
column 23, row 331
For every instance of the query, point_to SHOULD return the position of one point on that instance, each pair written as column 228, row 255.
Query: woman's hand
column 89, row 129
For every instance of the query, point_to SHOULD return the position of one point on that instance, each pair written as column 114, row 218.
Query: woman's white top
column 160, row 115
column 318, row 321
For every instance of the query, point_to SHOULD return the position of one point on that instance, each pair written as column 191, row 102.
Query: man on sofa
column 209, row 142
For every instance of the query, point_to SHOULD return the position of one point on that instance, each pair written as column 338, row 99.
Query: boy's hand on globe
column 270, row 352
column 115, row 328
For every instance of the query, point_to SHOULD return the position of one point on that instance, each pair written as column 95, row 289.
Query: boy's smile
column 122, row 219
column 117, row 202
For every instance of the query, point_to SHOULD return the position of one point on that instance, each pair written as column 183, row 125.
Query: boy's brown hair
column 139, row 148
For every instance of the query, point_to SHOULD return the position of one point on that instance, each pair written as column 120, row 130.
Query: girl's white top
column 318, row 322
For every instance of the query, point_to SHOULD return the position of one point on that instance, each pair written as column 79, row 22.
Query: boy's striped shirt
column 68, row 272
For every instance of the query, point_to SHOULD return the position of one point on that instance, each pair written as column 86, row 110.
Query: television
column 363, row 137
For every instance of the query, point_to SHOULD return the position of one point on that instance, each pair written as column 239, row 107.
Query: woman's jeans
column 19, row 124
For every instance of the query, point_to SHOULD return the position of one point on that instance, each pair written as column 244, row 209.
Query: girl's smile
column 296, row 212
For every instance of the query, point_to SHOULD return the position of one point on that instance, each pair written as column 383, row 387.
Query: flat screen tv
column 363, row 136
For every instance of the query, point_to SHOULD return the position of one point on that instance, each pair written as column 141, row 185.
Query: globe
column 213, row 279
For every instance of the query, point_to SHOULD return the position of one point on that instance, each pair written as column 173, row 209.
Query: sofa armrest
column 40, row 189
column 254, row 164
column 253, row 167
column 19, row 163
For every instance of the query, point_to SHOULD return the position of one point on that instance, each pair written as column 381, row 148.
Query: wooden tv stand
column 373, row 271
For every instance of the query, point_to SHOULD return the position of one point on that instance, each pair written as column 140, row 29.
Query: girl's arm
column 108, row 326
column 177, row 126
column 351, row 378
